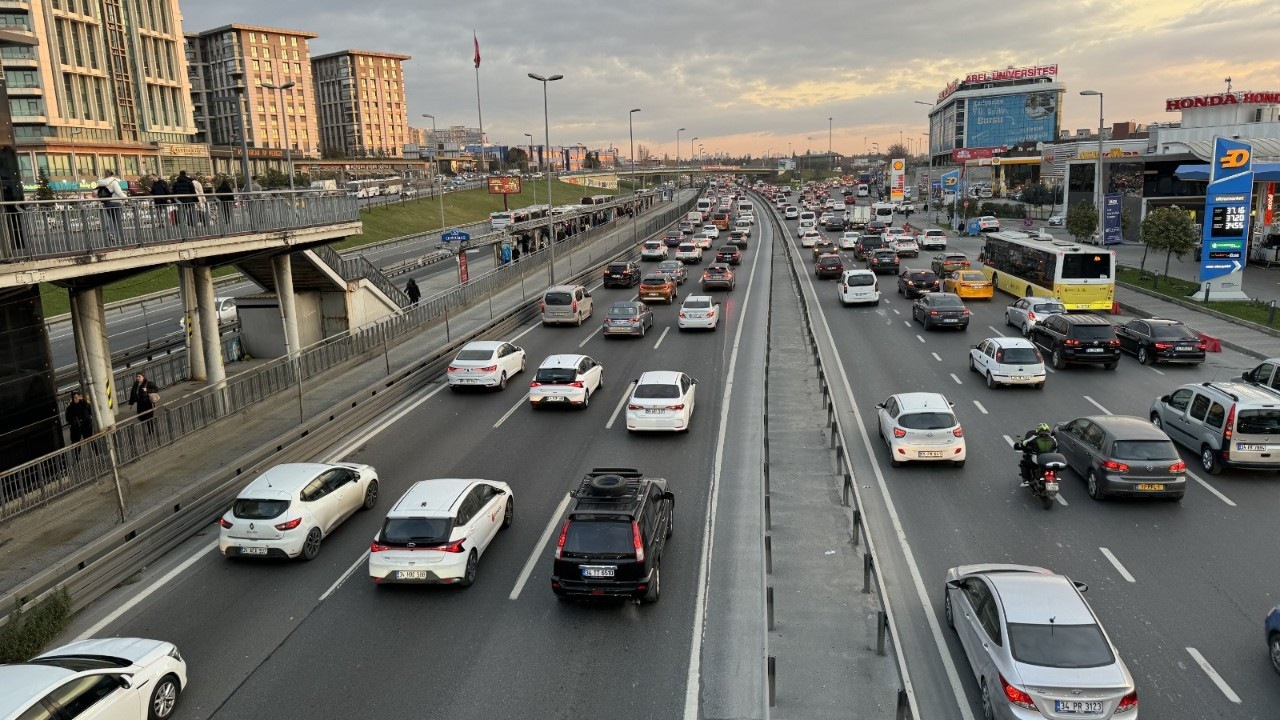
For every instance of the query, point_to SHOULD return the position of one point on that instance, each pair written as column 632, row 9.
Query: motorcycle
column 1043, row 482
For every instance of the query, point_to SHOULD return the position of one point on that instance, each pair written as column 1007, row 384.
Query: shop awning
column 1262, row 172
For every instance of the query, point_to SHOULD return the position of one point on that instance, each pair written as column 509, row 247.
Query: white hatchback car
column 289, row 509
column 653, row 250
column 791, row 213
column 849, row 240
column 566, row 380
column 858, row 286
column 699, row 311
column 437, row 531
column 1008, row 361
column 119, row 678
column 485, row 363
column 711, row 230
column 689, row 253
column 704, row 240
column 809, row 238
column 921, row 426
column 661, row 400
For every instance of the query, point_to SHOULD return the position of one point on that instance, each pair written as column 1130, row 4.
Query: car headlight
column 173, row 653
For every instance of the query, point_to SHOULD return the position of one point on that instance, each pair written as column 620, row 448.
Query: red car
column 829, row 266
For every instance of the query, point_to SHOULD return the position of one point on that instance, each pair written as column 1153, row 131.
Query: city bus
column 1080, row 278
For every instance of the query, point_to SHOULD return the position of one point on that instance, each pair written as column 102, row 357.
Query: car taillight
column 454, row 369
column 676, row 407
column 1071, row 342
column 560, row 543
column 681, row 313
column 966, row 311
column 1031, row 316
column 1049, row 476
column 1016, row 696
column 289, row 525
column 636, row 542
column 1114, row 343
column 488, row 368
column 899, row 432
column 574, row 306
column 1115, row 466
column 542, row 307
column 1178, row 467
column 1163, row 346
column 535, row 384
column 1201, row 345
column 1231, row 421
column 1127, row 703
column 635, row 407
column 225, row 523
column 377, row 547
column 454, row 547
column 576, row 383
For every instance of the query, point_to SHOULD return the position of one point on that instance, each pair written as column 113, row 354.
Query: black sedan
column 916, row 283
column 729, row 254
column 718, row 276
column 881, row 261
column 1122, row 456
column 1156, row 340
column 940, row 310
column 628, row 317
column 621, row 274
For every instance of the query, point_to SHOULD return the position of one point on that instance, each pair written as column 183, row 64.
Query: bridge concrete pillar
column 282, row 270
column 191, row 321
column 207, row 309
column 89, row 323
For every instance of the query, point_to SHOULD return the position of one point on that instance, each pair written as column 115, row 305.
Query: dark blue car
column 1272, row 627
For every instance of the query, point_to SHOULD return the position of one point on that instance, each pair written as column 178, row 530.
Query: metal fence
column 41, row 480
column 59, row 228
column 358, row 267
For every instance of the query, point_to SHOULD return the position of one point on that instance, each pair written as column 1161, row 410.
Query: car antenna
column 1052, row 620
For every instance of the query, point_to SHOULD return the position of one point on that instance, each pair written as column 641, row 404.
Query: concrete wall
column 261, row 331
column 365, row 304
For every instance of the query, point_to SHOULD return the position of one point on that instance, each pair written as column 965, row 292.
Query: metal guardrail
column 851, row 497
column 59, row 228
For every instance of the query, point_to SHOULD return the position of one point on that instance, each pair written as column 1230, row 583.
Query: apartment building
column 361, row 103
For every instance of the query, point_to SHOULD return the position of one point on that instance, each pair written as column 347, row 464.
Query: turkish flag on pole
column 477, row 42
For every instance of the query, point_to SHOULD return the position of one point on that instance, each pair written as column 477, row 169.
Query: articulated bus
column 1080, row 278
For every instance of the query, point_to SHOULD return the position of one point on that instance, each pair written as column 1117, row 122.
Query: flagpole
column 484, row 165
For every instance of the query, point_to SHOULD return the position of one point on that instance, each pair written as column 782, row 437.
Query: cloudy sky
column 759, row 75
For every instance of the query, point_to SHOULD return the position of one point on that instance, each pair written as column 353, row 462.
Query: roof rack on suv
column 609, row 487
column 1221, row 389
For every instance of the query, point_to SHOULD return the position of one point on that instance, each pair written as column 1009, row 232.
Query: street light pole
column 1097, row 174
column 829, row 139
column 242, row 116
column 435, row 157
column 288, row 146
column 533, row 185
column 678, row 131
column 546, row 123
column 632, row 133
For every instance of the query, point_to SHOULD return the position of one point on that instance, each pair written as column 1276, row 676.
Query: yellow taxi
column 968, row 284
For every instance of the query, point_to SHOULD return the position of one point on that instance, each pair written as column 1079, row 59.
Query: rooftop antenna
column 1227, row 80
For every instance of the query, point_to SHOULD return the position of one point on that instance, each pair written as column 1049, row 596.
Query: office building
column 360, row 98
column 993, row 110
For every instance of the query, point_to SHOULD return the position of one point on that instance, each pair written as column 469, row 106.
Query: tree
column 43, row 190
column 273, row 178
column 517, row 156
column 1082, row 220
column 591, row 161
column 897, row 150
column 1169, row 229
column 333, row 153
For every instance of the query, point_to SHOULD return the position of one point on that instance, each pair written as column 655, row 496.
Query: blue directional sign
column 1226, row 208
column 455, row 235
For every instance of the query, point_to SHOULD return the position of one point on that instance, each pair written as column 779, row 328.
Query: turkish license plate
column 654, row 411
column 1079, row 707
column 1019, row 378
column 411, row 574
column 554, row 398
column 1094, row 350
column 1256, row 448
column 598, row 572
column 948, row 320
column 1185, row 348
column 1051, row 487
column 930, row 453
column 1150, row 486
column 253, row 551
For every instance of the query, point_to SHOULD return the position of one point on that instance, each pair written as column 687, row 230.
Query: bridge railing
column 41, row 229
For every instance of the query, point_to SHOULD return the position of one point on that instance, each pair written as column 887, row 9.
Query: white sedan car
column 809, row 238
column 485, row 363
column 849, row 240
column 711, row 230
column 566, row 380
column 661, row 400
column 791, row 213
column 1007, row 361
column 117, row 678
column 921, row 426
column 699, row 311
column 289, row 509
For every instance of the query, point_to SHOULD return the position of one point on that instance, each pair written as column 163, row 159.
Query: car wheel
column 164, row 698
column 1095, row 491
column 502, row 381
column 988, row 712
column 469, row 575
column 311, row 546
column 1209, row 460
column 642, row 330
column 1057, row 360
column 371, row 495
column 1007, row 321
column 509, row 514
column 1273, row 643
column 972, row 368
column 1109, row 366
column 654, row 591
column 522, row 362
column 578, row 321
column 946, row 609
column 1157, row 422
column 1144, row 356
column 586, row 399
column 991, row 382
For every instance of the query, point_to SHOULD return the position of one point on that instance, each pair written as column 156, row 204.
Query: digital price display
column 1228, row 220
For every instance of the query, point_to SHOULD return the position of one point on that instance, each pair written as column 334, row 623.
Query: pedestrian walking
column 198, row 210
column 185, row 191
column 226, row 199
column 256, row 203
column 111, row 195
column 145, row 395
column 79, row 417
column 515, row 253
column 161, row 199
column 411, row 289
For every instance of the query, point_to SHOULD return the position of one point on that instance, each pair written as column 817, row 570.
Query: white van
column 809, row 215
column 565, row 304
column 694, row 217
column 882, row 211
column 745, row 206
column 704, row 205
column 863, row 190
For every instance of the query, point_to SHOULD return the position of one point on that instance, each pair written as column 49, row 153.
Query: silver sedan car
column 1025, row 312
column 1035, row 646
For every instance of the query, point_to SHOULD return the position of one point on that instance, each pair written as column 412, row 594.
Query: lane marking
column 133, row 602
column 1008, row 440
column 626, row 395
column 1061, row 500
column 1096, row 404
column 523, row 399
column 662, row 337
column 693, row 685
column 537, row 549
column 1049, row 368
column 984, row 410
column 1213, row 675
column 338, row 583
column 997, row 332
column 920, row 338
column 1158, row 372
column 896, row 311
column 936, row 357
column 958, row 380
column 390, row 420
column 1211, row 489
column 1116, row 562
column 907, row 323
column 588, row 338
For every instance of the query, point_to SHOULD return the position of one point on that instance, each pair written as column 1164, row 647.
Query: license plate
column 948, row 320
column 1081, row 707
column 1018, row 378
column 654, row 411
column 554, row 398
column 1051, row 487
column 253, row 551
column 1094, row 350
column 930, row 453
column 411, row 574
column 1150, row 486
column 598, row 572
column 1256, row 448
column 1185, row 348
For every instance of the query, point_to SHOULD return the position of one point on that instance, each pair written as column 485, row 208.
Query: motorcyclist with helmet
column 1035, row 442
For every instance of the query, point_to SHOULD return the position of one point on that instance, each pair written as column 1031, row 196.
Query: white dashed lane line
column 662, row 337
column 519, row 403
column 1096, row 404
column 936, row 357
column 980, row 408
column 1116, row 563
column 920, row 338
column 1211, row 489
column 1213, row 675
column 958, row 380
column 907, row 323
column 997, row 332
column 626, row 395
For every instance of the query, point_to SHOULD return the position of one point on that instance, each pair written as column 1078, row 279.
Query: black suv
column 612, row 543
column 868, row 244
column 621, row 274
column 917, row 283
column 837, row 223
column 1076, row 339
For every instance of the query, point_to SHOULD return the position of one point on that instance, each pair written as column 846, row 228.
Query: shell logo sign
column 897, row 164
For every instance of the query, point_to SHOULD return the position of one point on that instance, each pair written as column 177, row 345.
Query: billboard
column 1226, row 214
column 504, row 185
column 897, row 179
column 1112, row 215
column 1012, row 119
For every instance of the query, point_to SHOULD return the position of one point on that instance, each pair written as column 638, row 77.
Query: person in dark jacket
column 79, row 418
column 185, row 190
column 226, row 198
column 162, row 199
column 140, row 397
column 411, row 289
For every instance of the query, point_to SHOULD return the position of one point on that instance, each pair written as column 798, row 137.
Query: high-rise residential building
column 229, row 66
column 104, row 88
column 360, row 97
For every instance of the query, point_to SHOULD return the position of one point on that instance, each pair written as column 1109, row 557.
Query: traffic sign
column 455, row 235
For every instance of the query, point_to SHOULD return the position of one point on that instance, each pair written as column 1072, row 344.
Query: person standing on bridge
column 144, row 395
column 226, row 199
column 110, row 193
column 185, row 190
column 411, row 289
column 79, row 418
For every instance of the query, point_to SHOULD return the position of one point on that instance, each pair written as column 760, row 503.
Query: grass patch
column 29, row 630
column 1180, row 289
column 380, row 223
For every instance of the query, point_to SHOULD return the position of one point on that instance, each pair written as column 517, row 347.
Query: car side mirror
column 953, row 584
column 586, row 294
column 693, row 381
column 1164, row 399
column 880, row 406
column 1247, row 376
column 126, row 681
column 1082, row 587
column 975, row 347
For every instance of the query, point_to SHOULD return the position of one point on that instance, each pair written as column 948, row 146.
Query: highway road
column 1169, row 580
column 318, row 639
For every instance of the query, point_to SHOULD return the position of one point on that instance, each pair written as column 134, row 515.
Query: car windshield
column 973, row 277
column 472, row 355
column 829, row 261
column 1258, row 422
column 927, row 421
column 251, row 509
column 860, row 280
column 1020, row 356
column 666, row 265
column 1094, row 332
column 922, row 277
column 415, row 531
column 1144, row 450
column 1172, row 332
column 656, row 391
column 717, row 270
column 591, row 537
column 697, row 304
column 655, row 279
column 687, row 247
column 1086, row 266
column 556, row 375
column 946, row 301
column 623, row 311
column 1050, row 308
column 558, row 298
column 1060, row 646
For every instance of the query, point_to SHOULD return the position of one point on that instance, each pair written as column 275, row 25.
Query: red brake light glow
column 1127, row 703
column 1115, row 466
column 453, row 547
column 488, row 368
column 560, row 543
column 377, row 547
column 1178, row 467
column 225, row 523
column 636, row 542
column 1231, row 421
column 958, row 432
column 290, row 524
column 676, row 407
column 899, row 432
column 1016, row 696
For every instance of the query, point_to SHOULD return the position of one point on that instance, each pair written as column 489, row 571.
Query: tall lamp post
column 829, row 140
column 532, row 185
column 546, row 126
column 237, row 77
column 634, row 210
column 288, row 145
column 435, row 161
column 1097, row 174
column 678, row 131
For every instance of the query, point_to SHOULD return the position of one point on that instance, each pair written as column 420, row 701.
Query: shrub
column 29, row 630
